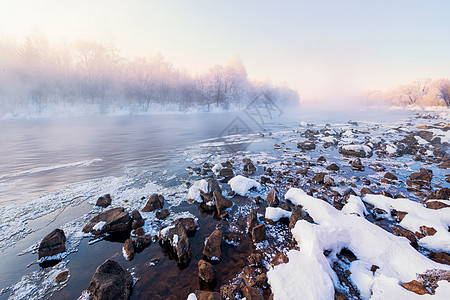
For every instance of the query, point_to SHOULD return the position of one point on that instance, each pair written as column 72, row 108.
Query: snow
column 354, row 206
column 99, row 225
column 192, row 296
column 175, row 240
column 216, row 168
column 276, row 213
column 309, row 271
column 390, row 149
column 303, row 124
column 124, row 253
column 420, row 140
column 241, row 185
column 364, row 148
column 417, row 216
column 194, row 190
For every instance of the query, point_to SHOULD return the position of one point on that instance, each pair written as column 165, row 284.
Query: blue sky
column 321, row 48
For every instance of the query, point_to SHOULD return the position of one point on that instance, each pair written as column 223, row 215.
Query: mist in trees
column 36, row 74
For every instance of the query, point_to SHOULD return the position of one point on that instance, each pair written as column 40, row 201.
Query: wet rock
column 333, row 167
column 249, row 167
column 222, row 203
column 436, row 205
column 321, row 159
column 306, row 145
column 52, row 244
column 357, row 165
column 206, row 295
column 349, row 192
column 61, row 277
column 138, row 221
column 425, row 230
column 110, row 281
column 231, row 291
column 189, row 225
column 279, row 258
column 416, row 287
column 104, row 201
column 390, row 176
column 259, row 233
column 213, row 246
column 179, row 241
column 206, row 271
column 138, row 231
column 400, row 231
column 142, row 242
column 162, row 214
column 299, row 214
column 154, row 202
column 440, row 257
column 113, row 220
column 261, row 280
column 272, row 198
column 232, row 238
column 251, row 293
column 266, row 180
column 252, row 220
column 421, row 178
column 128, row 249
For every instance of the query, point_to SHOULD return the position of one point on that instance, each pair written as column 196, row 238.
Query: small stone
column 104, row 201
column 259, row 233
column 299, row 214
column 261, row 280
column 61, row 277
column 162, row 214
column 416, row 287
column 255, row 259
column 425, row 230
column 154, row 202
column 128, row 249
column 436, row 205
column 440, row 257
column 206, row 271
column 252, row 220
column 374, row 268
column 138, row 231
column 272, row 198
column 333, row 167
column 231, row 291
column 221, row 202
column 279, row 258
column 390, row 176
column 142, row 242
column 189, row 225
column 52, row 244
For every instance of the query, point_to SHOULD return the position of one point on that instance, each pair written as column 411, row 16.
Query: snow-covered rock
column 276, row 213
column 194, row 190
column 241, row 185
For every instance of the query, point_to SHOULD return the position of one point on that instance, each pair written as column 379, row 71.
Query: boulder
column 213, row 246
column 154, row 202
column 425, row 230
column 249, row 167
column 206, row 271
column 142, row 242
column 110, row 281
column 189, row 225
column 421, row 178
column 52, row 244
column 357, row 165
column 179, row 242
column 272, row 198
column 61, row 277
column 390, row 176
column 259, row 233
column 440, row 257
column 222, row 203
column 226, row 172
column 356, row 150
column 400, row 231
column 104, row 201
column 416, row 287
column 436, row 205
column 110, row 221
column 318, row 177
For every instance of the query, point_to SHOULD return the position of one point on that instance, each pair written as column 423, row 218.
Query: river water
column 52, row 171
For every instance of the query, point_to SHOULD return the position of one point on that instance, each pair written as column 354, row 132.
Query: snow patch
column 276, row 213
column 241, row 185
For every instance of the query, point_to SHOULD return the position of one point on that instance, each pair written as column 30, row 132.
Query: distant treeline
column 423, row 92
column 34, row 71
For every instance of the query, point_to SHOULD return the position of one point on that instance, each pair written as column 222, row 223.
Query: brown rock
column 206, row 271
column 425, row 230
column 137, row 219
column 189, row 225
column 222, row 203
column 333, row 167
column 154, row 202
column 252, row 220
column 104, row 201
column 357, row 165
column 400, row 231
column 128, row 249
column 231, row 291
column 213, row 246
column 259, row 233
column 398, row 215
column 142, row 242
column 279, row 258
column 416, row 287
column 138, row 231
column 116, row 220
column 179, row 241
column 162, row 214
column 226, row 172
column 110, row 281
column 61, row 277
column 248, row 276
column 318, row 177
column 206, row 295
column 261, row 280
column 436, row 205
column 440, row 257
column 251, row 293
column 52, row 244
column 299, row 214
column 255, row 259
column 365, row 191
column 272, row 198
column 390, row 176
column 306, row 145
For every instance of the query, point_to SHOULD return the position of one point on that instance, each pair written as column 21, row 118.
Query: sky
column 322, row 48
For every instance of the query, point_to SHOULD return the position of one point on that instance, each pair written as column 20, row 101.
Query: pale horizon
column 322, row 49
